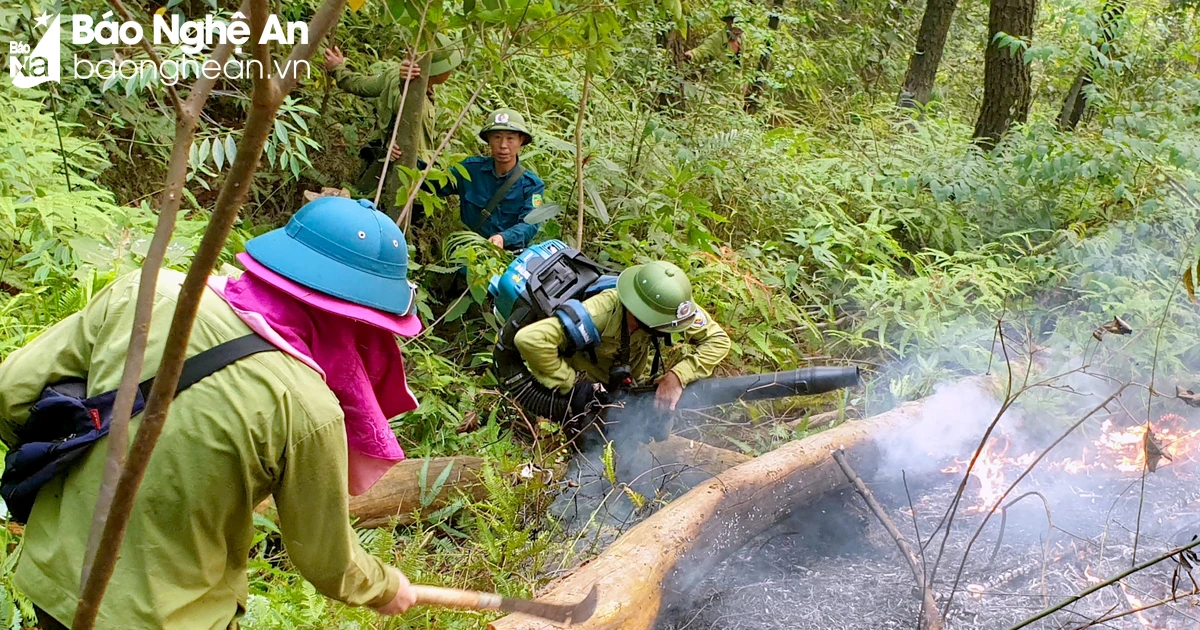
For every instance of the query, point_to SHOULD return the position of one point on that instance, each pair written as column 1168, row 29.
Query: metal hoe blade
column 562, row 613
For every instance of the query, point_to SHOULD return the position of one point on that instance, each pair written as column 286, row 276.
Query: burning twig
column 1007, row 577
column 930, row 618
column 1025, row 473
column 1109, row 582
column 1117, row 327
column 1153, row 450
column 1189, row 397
column 1139, row 609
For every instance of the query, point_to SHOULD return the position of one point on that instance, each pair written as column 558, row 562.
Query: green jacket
column 716, row 47
column 541, row 344
column 385, row 85
column 265, row 425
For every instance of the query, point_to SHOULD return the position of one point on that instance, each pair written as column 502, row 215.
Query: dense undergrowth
column 827, row 227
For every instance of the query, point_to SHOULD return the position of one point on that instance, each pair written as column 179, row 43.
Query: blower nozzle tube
column 710, row 392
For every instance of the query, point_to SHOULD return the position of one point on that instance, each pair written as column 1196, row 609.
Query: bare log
column 930, row 619
column 399, row 494
column 705, row 458
column 675, row 548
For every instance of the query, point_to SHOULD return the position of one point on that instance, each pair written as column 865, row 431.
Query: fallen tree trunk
column 397, row 495
column 696, row 458
column 672, row 550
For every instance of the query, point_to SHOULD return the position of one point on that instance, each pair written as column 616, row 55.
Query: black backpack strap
column 512, row 178
column 204, row 364
column 657, row 365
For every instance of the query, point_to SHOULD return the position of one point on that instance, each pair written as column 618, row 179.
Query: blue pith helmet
column 344, row 248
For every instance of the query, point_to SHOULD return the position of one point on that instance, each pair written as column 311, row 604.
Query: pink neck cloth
column 362, row 364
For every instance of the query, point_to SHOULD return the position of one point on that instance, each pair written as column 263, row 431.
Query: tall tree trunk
column 671, row 96
column 408, row 138
column 754, row 95
column 931, row 43
column 1076, row 102
column 1007, row 85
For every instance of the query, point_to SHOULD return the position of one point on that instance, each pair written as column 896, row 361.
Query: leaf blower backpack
column 547, row 279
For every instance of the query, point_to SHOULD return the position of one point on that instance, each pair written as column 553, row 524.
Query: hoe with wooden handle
column 475, row 600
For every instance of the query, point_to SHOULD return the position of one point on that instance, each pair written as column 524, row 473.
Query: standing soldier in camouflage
column 500, row 191
column 385, row 84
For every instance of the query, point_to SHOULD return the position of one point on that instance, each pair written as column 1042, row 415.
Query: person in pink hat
column 304, row 419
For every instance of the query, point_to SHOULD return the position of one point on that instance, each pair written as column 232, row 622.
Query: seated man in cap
column 305, row 420
column 385, row 84
column 501, row 192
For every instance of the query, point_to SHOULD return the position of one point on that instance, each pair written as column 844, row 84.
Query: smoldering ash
column 191, row 35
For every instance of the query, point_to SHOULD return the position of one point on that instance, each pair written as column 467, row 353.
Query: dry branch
column 187, row 116
column 1106, row 583
column 266, row 98
column 587, row 84
column 930, row 619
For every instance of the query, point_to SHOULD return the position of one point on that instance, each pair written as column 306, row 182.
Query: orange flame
column 1122, row 450
column 1136, row 603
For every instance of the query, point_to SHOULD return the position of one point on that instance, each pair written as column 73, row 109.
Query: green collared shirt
column 265, row 425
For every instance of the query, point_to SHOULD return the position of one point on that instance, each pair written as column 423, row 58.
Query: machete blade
column 562, row 613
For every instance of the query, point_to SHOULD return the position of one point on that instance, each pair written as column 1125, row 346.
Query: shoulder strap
column 657, row 365
column 206, row 363
column 512, row 178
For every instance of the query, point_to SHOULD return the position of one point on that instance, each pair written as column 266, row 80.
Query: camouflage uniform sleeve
column 359, row 84
column 711, row 48
column 709, row 346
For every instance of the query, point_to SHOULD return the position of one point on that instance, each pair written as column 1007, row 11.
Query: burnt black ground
column 831, row 565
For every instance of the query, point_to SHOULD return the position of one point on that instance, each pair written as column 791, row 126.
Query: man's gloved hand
column 588, row 395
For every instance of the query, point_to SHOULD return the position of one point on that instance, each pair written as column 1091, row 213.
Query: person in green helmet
column 498, row 192
column 651, row 304
column 385, row 84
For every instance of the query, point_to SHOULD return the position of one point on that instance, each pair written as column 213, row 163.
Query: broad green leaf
column 218, row 153
column 230, row 149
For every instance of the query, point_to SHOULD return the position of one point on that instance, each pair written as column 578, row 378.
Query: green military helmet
column 505, row 120
column 447, row 56
column 659, row 295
